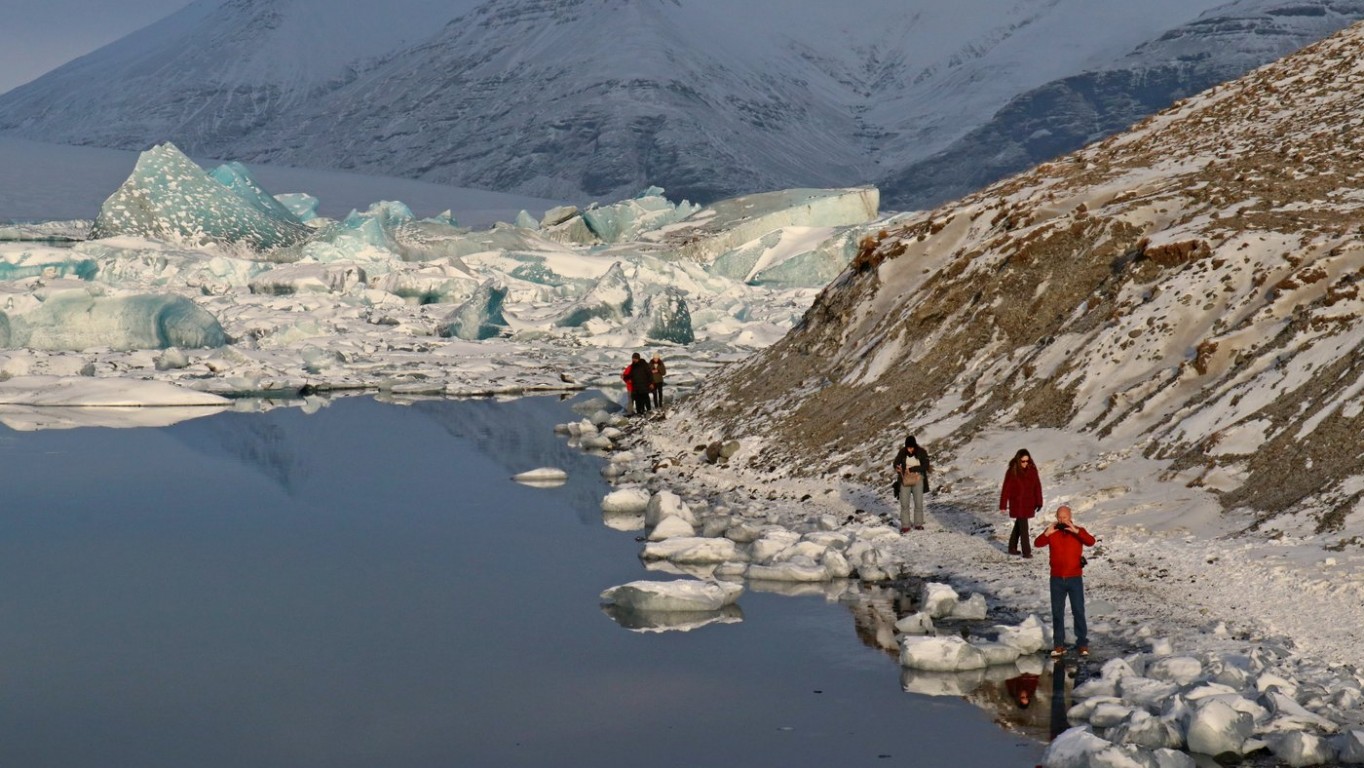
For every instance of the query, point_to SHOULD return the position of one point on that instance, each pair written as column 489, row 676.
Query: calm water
column 364, row 586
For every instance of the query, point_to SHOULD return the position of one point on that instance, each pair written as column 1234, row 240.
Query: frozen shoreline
column 1168, row 577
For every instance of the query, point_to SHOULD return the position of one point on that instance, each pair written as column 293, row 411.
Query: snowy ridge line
column 715, row 100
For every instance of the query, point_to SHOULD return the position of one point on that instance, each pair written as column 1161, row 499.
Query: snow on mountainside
column 1186, row 292
column 596, row 99
column 1066, row 114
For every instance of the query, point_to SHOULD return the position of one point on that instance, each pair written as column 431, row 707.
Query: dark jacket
column 640, row 377
column 919, row 453
column 659, row 370
column 1022, row 491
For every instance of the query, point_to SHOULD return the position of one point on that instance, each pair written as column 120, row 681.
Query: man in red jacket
column 1067, row 541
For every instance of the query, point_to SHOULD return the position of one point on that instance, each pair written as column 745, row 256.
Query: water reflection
column 671, row 621
column 352, row 583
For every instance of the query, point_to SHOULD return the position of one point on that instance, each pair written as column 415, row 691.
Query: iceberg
column 75, row 321
column 609, row 299
column 478, row 318
column 664, row 317
column 728, row 224
column 629, row 219
column 169, row 197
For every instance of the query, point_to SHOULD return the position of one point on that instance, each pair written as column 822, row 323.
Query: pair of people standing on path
column 1021, row 498
column 644, row 382
column 639, row 379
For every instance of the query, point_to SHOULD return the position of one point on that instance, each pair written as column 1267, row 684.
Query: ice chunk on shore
column 76, row 321
column 169, row 197
column 1216, row 728
column 1299, row 748
column 940, row 654
column 692, row 550
column 480, row 317
column 626, row 501
column 937, row 600
column 674, row 595
column 671, row 527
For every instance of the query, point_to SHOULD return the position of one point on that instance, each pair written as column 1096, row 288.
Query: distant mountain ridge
column 597, row 99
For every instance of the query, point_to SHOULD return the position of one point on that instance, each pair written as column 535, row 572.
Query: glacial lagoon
column 356, row 583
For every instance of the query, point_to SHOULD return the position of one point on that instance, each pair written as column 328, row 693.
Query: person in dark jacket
column 1067, row 542
column 912, row 471
column 659, row 370
column 1021, row 498
column 640, row 380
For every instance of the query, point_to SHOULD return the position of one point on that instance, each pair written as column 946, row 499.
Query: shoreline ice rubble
column 1178, row 701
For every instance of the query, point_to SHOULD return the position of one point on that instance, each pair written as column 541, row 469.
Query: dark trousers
column 658, row 395
column 1072, row 587
column 1020, row 534
column 641, row 401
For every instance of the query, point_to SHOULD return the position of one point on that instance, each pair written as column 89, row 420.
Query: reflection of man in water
column 1022, row 688
column 1059, row 723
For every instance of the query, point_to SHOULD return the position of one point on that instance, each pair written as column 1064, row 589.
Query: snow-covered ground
column 1181, row 615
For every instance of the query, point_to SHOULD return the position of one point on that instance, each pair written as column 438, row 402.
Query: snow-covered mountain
column 1186, row 292
column 584, row 99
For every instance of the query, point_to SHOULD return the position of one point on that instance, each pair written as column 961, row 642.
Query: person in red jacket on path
column 1067, row 542
column 1021, row 498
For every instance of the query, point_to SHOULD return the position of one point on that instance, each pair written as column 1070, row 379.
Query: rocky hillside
column 1188, row 290
column 1065, row 114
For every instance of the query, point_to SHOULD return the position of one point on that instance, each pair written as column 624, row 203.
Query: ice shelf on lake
column 208, row 280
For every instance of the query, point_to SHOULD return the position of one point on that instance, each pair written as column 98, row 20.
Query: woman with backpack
column 1021, row 498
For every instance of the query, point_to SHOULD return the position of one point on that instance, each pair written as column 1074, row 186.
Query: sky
column 37, row 36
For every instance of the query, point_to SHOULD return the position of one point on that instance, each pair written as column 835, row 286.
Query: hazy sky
column 37, row 36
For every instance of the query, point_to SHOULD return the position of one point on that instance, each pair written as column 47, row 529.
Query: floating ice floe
column 674, row 595
column 543, row 477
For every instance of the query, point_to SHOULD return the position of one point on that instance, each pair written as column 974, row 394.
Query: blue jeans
column 1074, row 588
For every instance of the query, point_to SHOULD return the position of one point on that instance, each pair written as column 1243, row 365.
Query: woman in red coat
column 1021, row 497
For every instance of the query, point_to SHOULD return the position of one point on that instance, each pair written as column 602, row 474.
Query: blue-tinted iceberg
column 169, row 197
column 665, row 317
column 478, row 318
column 626, row 220
column 610, row 299
column 728, row 224
column 237, row 178
column 75, row 321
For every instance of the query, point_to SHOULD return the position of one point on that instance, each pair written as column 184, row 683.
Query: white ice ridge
column 84, row 391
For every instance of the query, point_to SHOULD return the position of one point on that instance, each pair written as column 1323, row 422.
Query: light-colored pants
column 912, row 504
